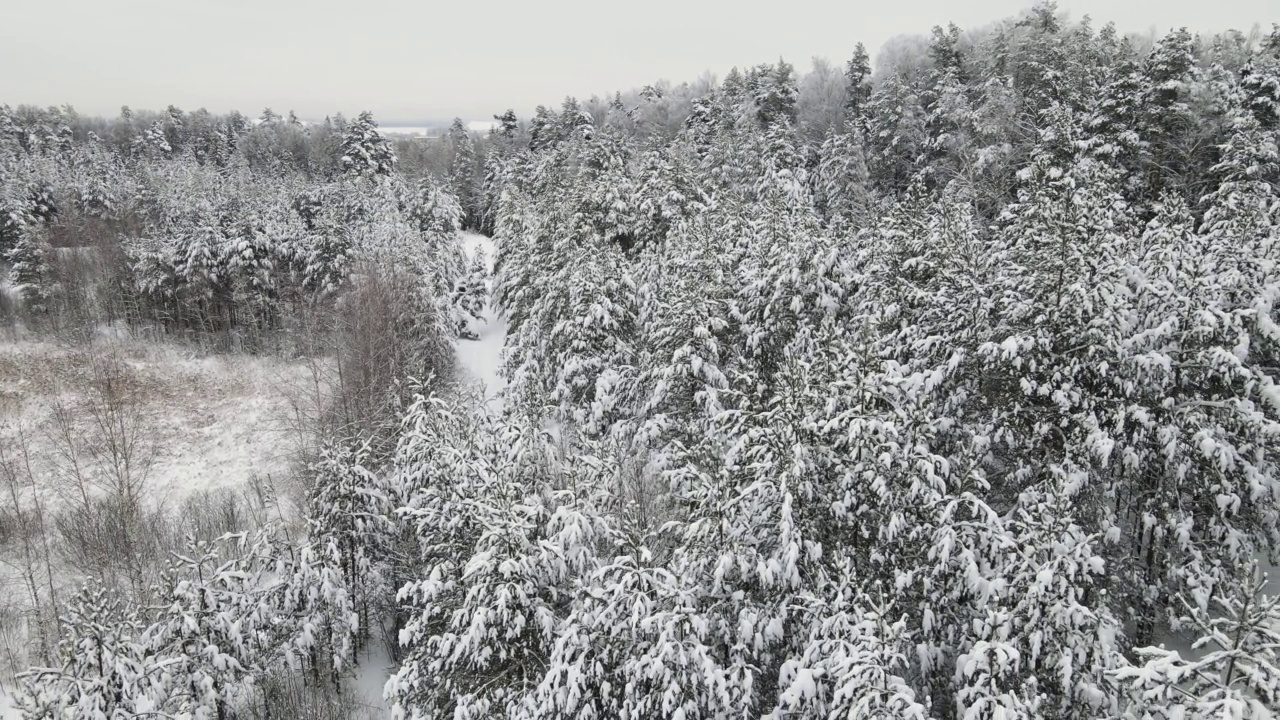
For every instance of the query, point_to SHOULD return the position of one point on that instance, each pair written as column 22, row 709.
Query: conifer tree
column 462, row 173
column 858, row 75
column 364, row 152
column 29, row 270
column 105, row 669
column 507, row 126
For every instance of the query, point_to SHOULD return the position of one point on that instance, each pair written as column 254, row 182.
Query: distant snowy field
column 479, row 126
column 409, row 130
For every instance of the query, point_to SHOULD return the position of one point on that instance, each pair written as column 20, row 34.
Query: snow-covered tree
column 858, row 74
column 29, row 271
column 896, row 135
column 364, row 152
column 105, row 667
column 348, row 517
column 471, row 293
column 462, row 173
column 1232, row 670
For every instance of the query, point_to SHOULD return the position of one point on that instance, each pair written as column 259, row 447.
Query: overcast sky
column 407, row 59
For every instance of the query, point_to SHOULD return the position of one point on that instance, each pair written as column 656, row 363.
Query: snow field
column 207, row 423
column 212, row 422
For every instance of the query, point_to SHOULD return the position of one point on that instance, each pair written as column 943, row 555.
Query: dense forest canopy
column 944, row 389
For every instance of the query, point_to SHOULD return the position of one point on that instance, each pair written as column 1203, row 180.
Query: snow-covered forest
column 944, row 389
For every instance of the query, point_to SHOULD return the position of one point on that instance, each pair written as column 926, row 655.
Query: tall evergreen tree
column 858, row 74
column 364, row 152
column 463, row 168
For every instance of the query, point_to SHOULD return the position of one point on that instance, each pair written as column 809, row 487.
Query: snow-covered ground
column 214, row 421
column 374, row 668
column 482, row 358
column 211, row 422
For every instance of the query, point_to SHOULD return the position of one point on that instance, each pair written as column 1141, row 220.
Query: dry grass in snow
column 203, row 423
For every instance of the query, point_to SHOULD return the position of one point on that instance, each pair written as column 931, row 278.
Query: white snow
column 372, row 671
column 409, row 130
column 482, row 358
column 212, row 422
column 434, row 131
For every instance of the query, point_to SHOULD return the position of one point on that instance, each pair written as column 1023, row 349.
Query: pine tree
column 10, row 230
column 29, row 270
column 502, row 540
column 202, row 634
column 1167, row 123
column 471, row 294
column 154, row 142
column 897, row 137
column 364, row 152
column 1115, row 122
column 1234, row 670
column 9, row 143
column 774, row 95
column 41, row 203
column 858, row 74
column 348, row 517
column 106, row 670
column 507, row 126
column 462, row 172
column 542, row 129
column 175, row 129
column 573, row 121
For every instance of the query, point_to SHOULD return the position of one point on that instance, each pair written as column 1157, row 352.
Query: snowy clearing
column 214, row 422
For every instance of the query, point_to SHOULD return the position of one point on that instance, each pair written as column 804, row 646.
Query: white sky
column 407, row 59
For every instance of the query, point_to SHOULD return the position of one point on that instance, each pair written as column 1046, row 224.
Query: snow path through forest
column 482, row 360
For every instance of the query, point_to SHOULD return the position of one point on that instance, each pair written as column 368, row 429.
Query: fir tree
column 105, row 667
